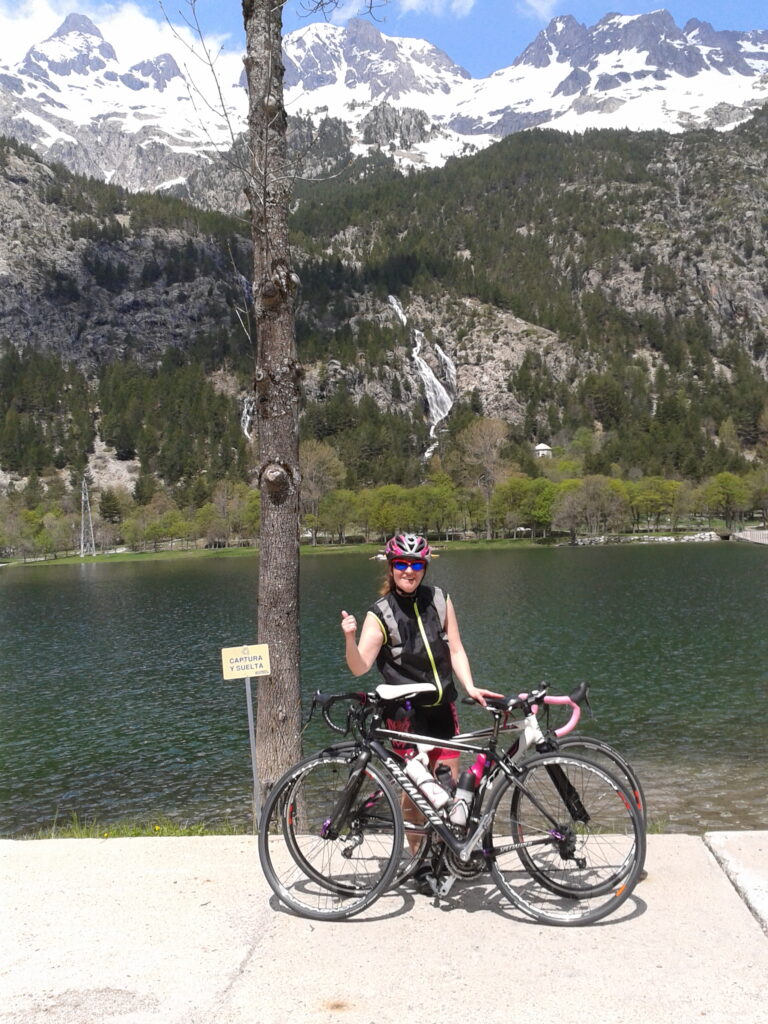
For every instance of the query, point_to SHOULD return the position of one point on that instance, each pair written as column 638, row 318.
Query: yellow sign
column 249, row 660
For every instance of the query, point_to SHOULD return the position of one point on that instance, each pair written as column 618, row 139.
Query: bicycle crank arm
column 471, row 845
column 440, row 887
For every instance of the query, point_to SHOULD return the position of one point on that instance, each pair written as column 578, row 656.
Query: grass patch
column 136, row 556
column 354, row 548
column 658, row 826
column 369, row 550
column 86, row 828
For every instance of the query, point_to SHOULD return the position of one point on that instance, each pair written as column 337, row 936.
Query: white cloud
column 461, row 7
column 541, row 9
column 344, row 10
column 23, row 25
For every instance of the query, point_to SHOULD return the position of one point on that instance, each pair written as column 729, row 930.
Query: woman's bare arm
column 361, row 656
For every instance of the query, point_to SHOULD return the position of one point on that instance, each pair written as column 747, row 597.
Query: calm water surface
column 112, row 703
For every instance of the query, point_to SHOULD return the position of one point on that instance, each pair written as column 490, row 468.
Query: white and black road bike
column 561, row 834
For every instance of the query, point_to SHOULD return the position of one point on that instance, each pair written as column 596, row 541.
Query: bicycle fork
column 332, row 826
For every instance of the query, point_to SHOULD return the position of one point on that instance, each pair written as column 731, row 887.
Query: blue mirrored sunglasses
column 402, row 565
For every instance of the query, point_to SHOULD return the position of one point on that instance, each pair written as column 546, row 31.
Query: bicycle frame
column 333, row 838
column 527, row 732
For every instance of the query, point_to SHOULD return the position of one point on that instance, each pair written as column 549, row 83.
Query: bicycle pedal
column 441, row 886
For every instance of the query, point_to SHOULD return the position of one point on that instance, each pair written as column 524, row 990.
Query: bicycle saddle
column 402, row 691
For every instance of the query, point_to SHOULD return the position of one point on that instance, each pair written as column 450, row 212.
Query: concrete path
column 186, row 931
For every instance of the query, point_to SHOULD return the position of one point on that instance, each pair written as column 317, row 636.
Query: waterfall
column 448, row 367
column 438, row 397
column 395, row 304
column 248, row 416
column 439, row 402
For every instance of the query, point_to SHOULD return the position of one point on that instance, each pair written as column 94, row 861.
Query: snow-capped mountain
column 147, row 126
column 639, row 72
column 395, row 94
column 72, row 100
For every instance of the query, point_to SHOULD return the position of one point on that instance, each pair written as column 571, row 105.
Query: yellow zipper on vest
column 431, row 656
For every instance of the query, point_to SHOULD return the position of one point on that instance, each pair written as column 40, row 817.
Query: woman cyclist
column 412, row 635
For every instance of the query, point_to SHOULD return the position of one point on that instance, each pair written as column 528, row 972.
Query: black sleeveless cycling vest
column 415, row 648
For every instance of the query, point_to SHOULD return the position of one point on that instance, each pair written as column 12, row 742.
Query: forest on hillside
column 645, row 255
column 191, row 465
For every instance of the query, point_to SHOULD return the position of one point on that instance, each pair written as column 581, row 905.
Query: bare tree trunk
column 276, row 384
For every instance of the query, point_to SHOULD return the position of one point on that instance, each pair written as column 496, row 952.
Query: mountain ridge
column 140, row 126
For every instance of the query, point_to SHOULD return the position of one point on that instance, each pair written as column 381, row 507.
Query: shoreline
column 372, row 550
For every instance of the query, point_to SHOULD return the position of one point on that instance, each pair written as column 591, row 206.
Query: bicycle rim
column 372, row 813
column 324, row 875
column 613, row 762
column 582, row 867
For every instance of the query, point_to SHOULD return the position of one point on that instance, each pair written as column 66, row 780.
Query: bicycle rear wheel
column 566, row 843
column 322, row 872
column 372, row 813
column 610, row 759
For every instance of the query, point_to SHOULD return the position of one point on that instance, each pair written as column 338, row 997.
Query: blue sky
column 481, row 35
column 484, row 35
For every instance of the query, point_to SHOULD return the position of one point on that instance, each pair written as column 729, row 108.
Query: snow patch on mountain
column 640, row 72
column 73, row 80
column 152, row 123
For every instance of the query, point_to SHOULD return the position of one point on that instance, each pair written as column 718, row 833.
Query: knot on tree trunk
column 276, row 478
column 271, row 295
column 273, row 105
column 281, row 284
column 261, row 384
column 277, row 387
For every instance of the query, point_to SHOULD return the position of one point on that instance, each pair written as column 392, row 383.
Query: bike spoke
column 320, row 863
column 573, row 871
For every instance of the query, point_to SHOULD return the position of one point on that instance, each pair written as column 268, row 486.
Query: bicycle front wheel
column 609, row 758
column 567, row 844
column 330, row 871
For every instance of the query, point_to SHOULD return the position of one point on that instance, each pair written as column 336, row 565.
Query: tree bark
column 276, row 386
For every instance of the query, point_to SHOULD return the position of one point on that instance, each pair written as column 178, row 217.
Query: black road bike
column 561, row 835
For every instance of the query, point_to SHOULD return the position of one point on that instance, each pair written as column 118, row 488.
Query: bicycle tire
column 593, row 796
column 581, row 871
column 376, row 816
column 321, row 876
column 608, row 757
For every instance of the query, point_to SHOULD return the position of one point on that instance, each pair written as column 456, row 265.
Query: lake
column 112, row 703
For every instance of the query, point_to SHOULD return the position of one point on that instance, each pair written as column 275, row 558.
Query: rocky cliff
column 89, row 276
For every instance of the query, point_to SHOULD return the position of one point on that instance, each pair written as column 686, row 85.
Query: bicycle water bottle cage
column 402, row 691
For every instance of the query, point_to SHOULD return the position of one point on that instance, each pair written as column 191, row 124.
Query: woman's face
column 408, row 574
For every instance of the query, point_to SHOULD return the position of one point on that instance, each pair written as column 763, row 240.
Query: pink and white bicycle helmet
column 408, row 545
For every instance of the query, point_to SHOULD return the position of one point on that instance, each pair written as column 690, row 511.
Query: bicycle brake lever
column 312, row 707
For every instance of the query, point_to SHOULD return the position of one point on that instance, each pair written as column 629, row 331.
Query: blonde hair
column 387, row 584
